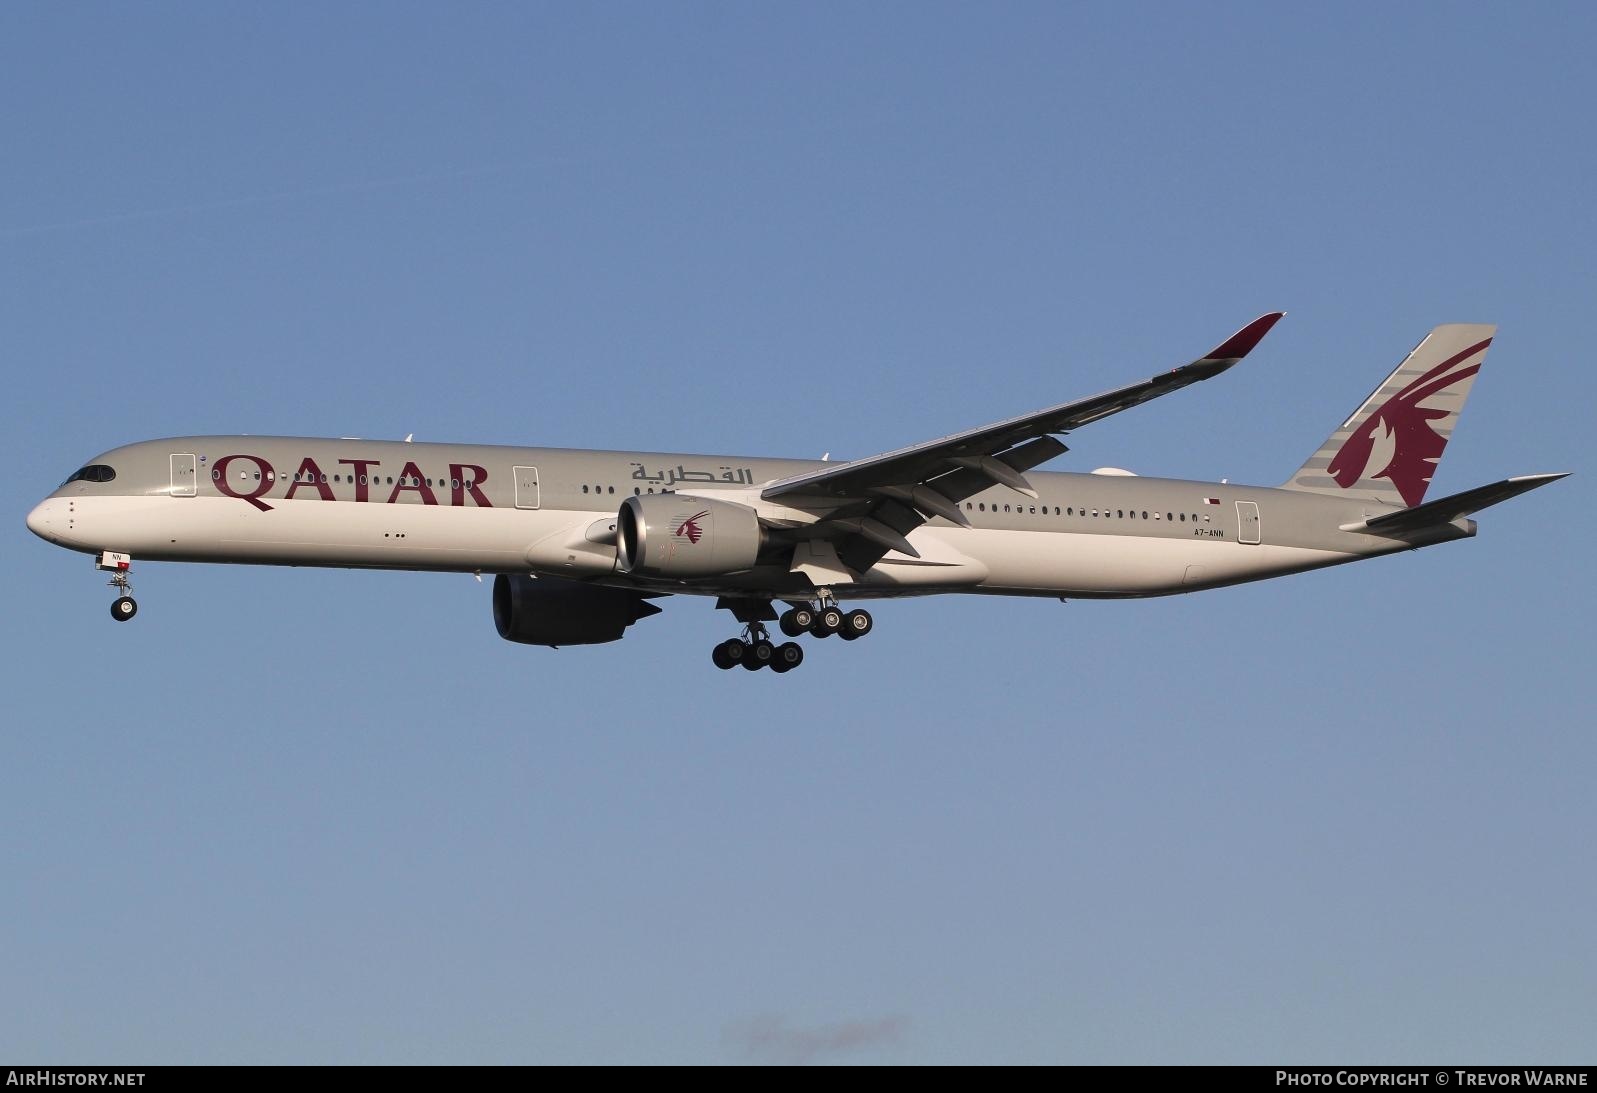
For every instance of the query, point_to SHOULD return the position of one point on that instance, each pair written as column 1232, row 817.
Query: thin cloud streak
column 771, row 1039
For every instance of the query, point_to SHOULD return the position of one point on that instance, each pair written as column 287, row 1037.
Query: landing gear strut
column 124, row 607
column 755, row 650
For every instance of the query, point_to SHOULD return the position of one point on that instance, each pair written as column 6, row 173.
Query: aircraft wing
column 895, row 492
column 921, row 462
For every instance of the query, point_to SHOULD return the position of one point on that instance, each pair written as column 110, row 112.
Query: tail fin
column 1388, row 449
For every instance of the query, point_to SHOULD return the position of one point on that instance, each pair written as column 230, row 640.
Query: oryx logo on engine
column 690, row 530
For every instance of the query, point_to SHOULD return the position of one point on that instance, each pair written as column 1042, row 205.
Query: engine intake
column 554, row 612
column 668, row 535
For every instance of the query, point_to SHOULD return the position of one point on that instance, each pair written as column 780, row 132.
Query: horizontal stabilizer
column 1447, row 509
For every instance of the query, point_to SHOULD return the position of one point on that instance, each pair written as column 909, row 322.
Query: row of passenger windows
column 100, row 473
column 1071, row 510
column 1035, row 510
column 611, row 489
column 375, row 480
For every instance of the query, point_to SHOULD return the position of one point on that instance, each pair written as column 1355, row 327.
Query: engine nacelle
column 667, row 535
column 552, row 611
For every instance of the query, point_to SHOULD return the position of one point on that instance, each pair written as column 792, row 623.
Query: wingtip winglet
column 1241, row 343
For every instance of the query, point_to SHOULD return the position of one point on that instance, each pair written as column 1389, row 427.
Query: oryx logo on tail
column 1402, row 425
column 1388, row 449
column 690, row 530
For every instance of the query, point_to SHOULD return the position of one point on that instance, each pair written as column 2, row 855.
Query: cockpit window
column 94, row 472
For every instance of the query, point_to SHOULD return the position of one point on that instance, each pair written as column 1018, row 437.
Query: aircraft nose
column 45, row 520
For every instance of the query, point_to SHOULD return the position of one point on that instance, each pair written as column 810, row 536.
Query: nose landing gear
column 124, row 607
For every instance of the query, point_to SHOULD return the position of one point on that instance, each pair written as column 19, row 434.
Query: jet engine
column 669, row 535
column 555, row 612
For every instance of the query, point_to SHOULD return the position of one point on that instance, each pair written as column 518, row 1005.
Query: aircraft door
column 526, row 487
column 1247, row 521
column 183, row 477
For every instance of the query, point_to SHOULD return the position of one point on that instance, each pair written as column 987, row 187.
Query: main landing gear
column 124, row 607
column 755, row 650
column 824, row 621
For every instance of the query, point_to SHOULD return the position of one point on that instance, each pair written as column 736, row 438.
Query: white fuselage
column 552, row 512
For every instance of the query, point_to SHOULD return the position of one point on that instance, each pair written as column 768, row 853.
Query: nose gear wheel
column 124, row 607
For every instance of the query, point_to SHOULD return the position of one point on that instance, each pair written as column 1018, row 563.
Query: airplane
column 581, row 542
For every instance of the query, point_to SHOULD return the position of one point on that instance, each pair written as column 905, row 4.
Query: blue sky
column 292, row 816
